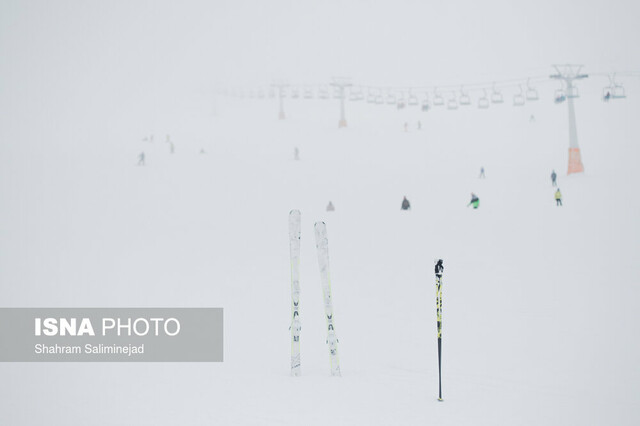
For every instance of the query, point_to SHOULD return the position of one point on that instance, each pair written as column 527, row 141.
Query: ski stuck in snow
column 323, row 262
column 294, row 252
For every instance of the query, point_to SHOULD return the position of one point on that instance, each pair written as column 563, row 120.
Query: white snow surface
column 540, row 311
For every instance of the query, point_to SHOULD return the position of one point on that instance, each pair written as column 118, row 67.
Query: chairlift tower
column 280, row 85
column 568, row 74
column 342, row 83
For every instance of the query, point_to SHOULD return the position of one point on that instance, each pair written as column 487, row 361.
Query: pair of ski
column 322, row 247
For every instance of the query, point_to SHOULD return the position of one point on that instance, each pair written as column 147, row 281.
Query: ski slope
column 540, row 310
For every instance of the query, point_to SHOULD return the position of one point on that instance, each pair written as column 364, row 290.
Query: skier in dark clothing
column 141, row 159
column 553, row 178
column 405, row 204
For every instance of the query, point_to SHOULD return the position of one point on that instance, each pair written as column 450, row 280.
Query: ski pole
column 439, row 269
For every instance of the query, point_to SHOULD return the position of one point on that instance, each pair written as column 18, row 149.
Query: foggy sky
column 127, row 49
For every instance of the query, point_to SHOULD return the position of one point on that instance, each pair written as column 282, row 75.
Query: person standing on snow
column 558, row 197
column 553, row 178
column 141, row 159
column 475, row 201
column 482, row 176
column 405, row 204
column 330, row 207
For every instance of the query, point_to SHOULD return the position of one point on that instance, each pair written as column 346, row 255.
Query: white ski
column 323, row 261
column 294, row 251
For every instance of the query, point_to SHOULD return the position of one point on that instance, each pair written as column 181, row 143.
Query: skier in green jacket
column 475, row 201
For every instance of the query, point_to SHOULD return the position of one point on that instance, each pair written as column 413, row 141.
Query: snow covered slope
column 540, row 315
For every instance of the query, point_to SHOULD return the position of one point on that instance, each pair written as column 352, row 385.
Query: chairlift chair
column 452, row 103
column 559, row 96
column 295, row 94
column 465, row 99
column 371, row 96
column 518, row 98
column 532, row 93
column 496, row 97
column 401, row 103
column 483, row 102
column 391, row 99
column 379, row 100
column 573, row 92
column 308, row 94
column 323, row 93
column 618, row 92
column 438, row 100
column 425, row 106
column 413, row 100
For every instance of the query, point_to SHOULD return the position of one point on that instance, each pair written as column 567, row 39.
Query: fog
column 69, row 54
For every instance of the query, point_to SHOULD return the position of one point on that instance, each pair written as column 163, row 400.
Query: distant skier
column 558, row 197
column 330, row 207
column 405, row 204
column 482, row 176
column 151, row 139
column 202, row 151
column 172, row 148
column 532, row 119
column 475, row 201
column 554, row 176
column 296, row 154
column 141, row 159
column 406, row 126
column 419, row 124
